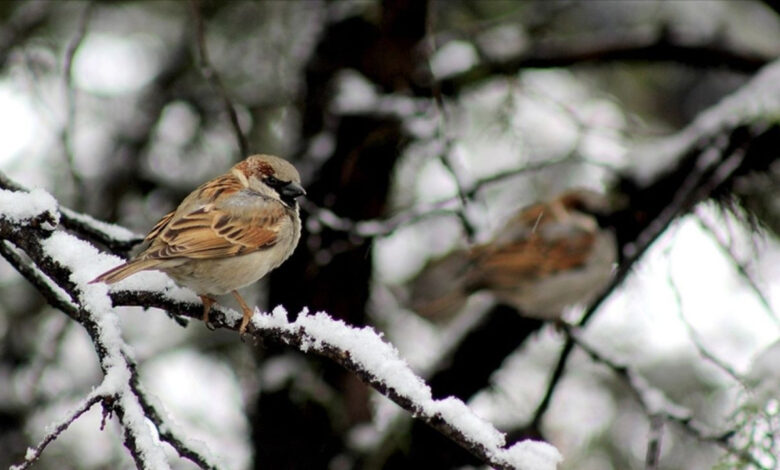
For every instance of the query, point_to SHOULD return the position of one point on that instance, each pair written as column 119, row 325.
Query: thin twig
column 45, row 286
column 34, row 453
column 694, row 336
column 654, row 402
column 380, row 228
column 739, row 266
column 68, row 129
column 607, row 49
column 653, row 455
column 443, row 136
column 210, row 73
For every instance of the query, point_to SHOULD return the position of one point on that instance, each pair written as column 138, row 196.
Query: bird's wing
column 207, row 192
column 529, row 259
column 216, row 231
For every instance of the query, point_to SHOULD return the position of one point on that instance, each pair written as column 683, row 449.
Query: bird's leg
column 247, row 313
column 207, row 303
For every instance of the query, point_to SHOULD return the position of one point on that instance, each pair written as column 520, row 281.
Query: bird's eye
column 272, row 181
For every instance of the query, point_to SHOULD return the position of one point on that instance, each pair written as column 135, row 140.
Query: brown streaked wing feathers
column 159, row 225
column 221, row 186
column 209, row 191
column 209, row 232
column 529, row 259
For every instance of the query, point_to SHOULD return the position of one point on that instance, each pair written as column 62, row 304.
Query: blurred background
column 419, row 128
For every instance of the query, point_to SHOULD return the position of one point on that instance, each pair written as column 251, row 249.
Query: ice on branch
column 364, row 351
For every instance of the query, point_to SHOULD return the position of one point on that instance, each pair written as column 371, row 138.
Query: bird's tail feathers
column 440, row 290
column 124, row 270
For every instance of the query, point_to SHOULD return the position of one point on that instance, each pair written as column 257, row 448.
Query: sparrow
column 546, row 257
column 228, row 233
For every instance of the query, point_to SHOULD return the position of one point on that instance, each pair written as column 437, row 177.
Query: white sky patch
column 113, row 65
column 178, row 124
column 452, row 58
column 18, row 123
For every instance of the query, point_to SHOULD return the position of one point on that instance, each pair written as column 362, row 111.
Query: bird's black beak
column 292, row 190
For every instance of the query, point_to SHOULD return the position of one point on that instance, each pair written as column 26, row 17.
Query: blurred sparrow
column 228, row 233
column 548, row 256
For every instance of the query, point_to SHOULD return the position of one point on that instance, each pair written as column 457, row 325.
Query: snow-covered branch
column 28, row 223
column 362, row 351
column 33, row 453
column 61, row 266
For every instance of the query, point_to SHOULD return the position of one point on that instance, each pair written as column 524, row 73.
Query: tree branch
column 34, row 453
column 60, row 257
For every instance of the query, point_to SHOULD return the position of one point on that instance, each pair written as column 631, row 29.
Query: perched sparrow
column 228, row 233
column 546, row 257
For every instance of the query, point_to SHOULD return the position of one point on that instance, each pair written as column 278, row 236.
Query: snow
column 365, row 347
column 116, row 232
column 18, row 206
column 532, row 454
column 460, row 416
column 756, row 101
column 452, row 58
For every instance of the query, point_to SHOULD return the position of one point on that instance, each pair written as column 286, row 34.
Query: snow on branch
column 377, row 363
column 61, row 265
